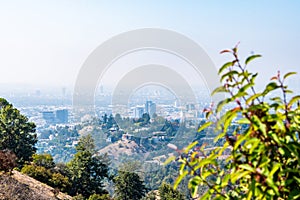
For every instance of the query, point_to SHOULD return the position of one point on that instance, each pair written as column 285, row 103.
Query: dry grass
column 22, row 187
column 123, row 147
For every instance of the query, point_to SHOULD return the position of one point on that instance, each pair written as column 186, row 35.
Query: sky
column 45, row 43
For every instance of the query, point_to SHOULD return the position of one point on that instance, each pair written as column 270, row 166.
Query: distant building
column 138, row 112
column 62, row 116
column 150, row 108
column 56, row 117
column 49, row 117
column 190, row 107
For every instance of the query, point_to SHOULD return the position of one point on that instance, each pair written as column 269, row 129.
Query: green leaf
column 223, row 103
column 219, row 136
column 253, row 97
column 245, row 87
column 276, row 166
column 246, row 167
column 170, row 159
column 294, row 100
column 289, row 74
column 288, row 91
column 259, row 124
column 243, row 121
column 179, row 178
column 271, row 86
column 206, row 161
column 190, row 146
column 194, row 191
column 239, row 175
column 229, row 74
column 204, row 126
column 250, row 58
column 219, row 90
column 225, row 66
column 194, row 181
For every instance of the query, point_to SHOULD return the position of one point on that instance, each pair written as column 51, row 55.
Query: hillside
column 123, row 147
column 22, row 187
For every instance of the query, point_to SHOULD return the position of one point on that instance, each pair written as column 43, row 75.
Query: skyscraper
column 49, row 117
column 138, row 112
column 62, row 116
column 150, row 108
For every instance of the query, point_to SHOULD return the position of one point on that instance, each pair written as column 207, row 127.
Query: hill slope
column 22, row 187
column 127, row 147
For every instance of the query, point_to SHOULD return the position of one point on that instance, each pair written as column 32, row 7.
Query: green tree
column 44, row 160
column 128, row 182
column 59, row 181
column 99, row 197
column 129, row 186
column 167, row 192
column 87, row 170
column 37, row 172
column 263, row 159
column 16, row 132
column 43, row 169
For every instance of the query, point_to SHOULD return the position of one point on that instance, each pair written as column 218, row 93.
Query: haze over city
column 45, row 43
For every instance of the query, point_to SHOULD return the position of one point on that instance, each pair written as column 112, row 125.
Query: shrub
column 43, row 160
column 264, row 148
column 37, row 172
column 99, row 197
column 7, row 160
column 57, row 180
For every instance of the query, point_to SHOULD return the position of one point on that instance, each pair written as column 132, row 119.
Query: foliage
column 144, row 120
column 44, row 160
column 167, row 192
column 78, row 197
column 99, row 197
column 16, row 133
column 128, row 185
column 62, row 138
column 87, row 170
column 150, row 195
column 60, row 181
column 43, row 169
column 37, row 172
column 7, row 160
column 263, row 162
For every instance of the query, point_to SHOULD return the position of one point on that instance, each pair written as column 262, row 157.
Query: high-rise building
column 62, row 116
column 138, row 112
column 49, row 117
column 150, row 108
column 190, row 107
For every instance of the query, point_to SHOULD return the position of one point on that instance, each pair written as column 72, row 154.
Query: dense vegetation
column 264, row 159
column 17, row 134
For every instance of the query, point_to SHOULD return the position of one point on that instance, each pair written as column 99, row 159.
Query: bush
column 37, row 172
column 99, row 197
column 264, row 148
column 57, row 180
column 7, row 160
column 167, row 192
column 43, row 160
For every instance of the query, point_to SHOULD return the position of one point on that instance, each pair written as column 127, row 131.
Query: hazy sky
column 46, row 42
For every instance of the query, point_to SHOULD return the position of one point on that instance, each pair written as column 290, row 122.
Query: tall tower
column 150, row 108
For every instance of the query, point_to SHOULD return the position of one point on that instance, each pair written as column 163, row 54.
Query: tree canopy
column 16, row 132
column 128, row 183
column 88, row 170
